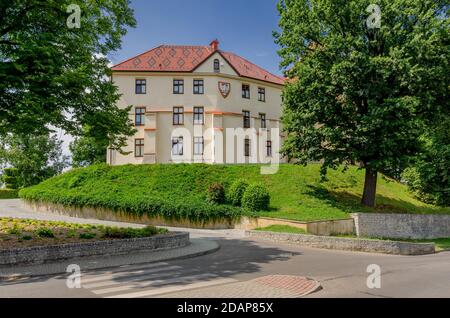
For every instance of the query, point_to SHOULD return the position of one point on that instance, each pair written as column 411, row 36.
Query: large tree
column 34, row 158
column 53, row 70
column 364, row 82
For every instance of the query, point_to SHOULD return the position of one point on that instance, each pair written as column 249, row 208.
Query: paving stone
column 273, row 286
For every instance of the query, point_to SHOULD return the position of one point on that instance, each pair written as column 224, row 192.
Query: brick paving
column 273, row 286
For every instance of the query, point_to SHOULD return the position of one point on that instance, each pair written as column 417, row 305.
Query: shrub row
column 253, row 197
column 9, row 194
column 167, row 208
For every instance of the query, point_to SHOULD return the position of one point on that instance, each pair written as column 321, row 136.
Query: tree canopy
column 363, row 87
column 34, row 158
column 55, row 74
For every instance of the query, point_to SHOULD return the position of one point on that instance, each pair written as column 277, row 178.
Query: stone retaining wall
column 348, row 244
column 413, row 226
column 328, row 227
column 43, row 254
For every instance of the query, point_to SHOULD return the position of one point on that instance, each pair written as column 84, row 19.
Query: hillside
column 296, row 191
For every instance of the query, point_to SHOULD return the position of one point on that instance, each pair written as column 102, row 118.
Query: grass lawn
column 282, row 229
column 296, row 191
column 16, row 233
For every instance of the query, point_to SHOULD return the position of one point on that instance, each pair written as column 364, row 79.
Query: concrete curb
column 51, row 253
column 198, row 247
column 347, row 244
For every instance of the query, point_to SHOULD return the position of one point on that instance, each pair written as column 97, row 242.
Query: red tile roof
column 180, row 58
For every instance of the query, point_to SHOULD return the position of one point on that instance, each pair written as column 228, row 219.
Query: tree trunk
column 370, row 188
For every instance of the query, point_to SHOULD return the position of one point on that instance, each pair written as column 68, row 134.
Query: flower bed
column 19, row 233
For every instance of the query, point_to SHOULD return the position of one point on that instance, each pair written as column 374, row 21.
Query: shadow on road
column 234, row 257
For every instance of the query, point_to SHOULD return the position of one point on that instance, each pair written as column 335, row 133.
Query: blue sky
column 243, row 27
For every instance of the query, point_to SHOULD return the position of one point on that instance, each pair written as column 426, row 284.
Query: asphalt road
column 341, row 274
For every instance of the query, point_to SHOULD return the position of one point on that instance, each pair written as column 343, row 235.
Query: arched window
column 216, row 66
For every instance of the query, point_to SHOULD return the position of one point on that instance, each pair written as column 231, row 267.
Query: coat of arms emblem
column 225, row 89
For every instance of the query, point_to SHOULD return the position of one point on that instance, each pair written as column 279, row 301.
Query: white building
column 188, row 101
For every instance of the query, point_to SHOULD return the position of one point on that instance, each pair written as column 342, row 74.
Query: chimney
column 214, row 45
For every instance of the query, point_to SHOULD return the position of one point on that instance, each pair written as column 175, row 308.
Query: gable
column 208, row 65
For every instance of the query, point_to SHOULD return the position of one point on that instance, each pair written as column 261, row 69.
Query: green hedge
column 9, row 194
column 153, row 191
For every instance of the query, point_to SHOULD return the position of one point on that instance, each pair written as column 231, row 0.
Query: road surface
column 239, row 260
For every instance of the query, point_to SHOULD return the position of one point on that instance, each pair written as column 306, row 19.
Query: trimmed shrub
column 45, row 232
column 256, row 198
column 216, row 194
column 236, row 192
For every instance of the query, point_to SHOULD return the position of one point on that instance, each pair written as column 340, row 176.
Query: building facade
column 198, row 104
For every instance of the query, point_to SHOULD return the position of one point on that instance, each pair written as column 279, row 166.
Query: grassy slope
column 296, row 191
column 282, row 229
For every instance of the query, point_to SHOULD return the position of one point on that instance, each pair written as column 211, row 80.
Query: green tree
column 87, row 151
column 10, row 178
column 359, row 93
column 429, row 177
column 55, row 74
column 33, row 158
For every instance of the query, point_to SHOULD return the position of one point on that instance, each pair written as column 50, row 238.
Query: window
column 178, row 86
column 263, row 120
column 198, row 146
column 269, row 148
column 246, row 115
column 139, row 147
column 245, row 91
column 261, row 94
column 141, row 86
column 247, row 147
column 139, row 116
column 198, row 87
column 177, row 146
column 199, row 116
column 178, row 115
column 216, row 66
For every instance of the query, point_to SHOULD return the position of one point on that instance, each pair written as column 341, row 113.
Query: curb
column 316, row 288
column 200, row 247
column 347, row 244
